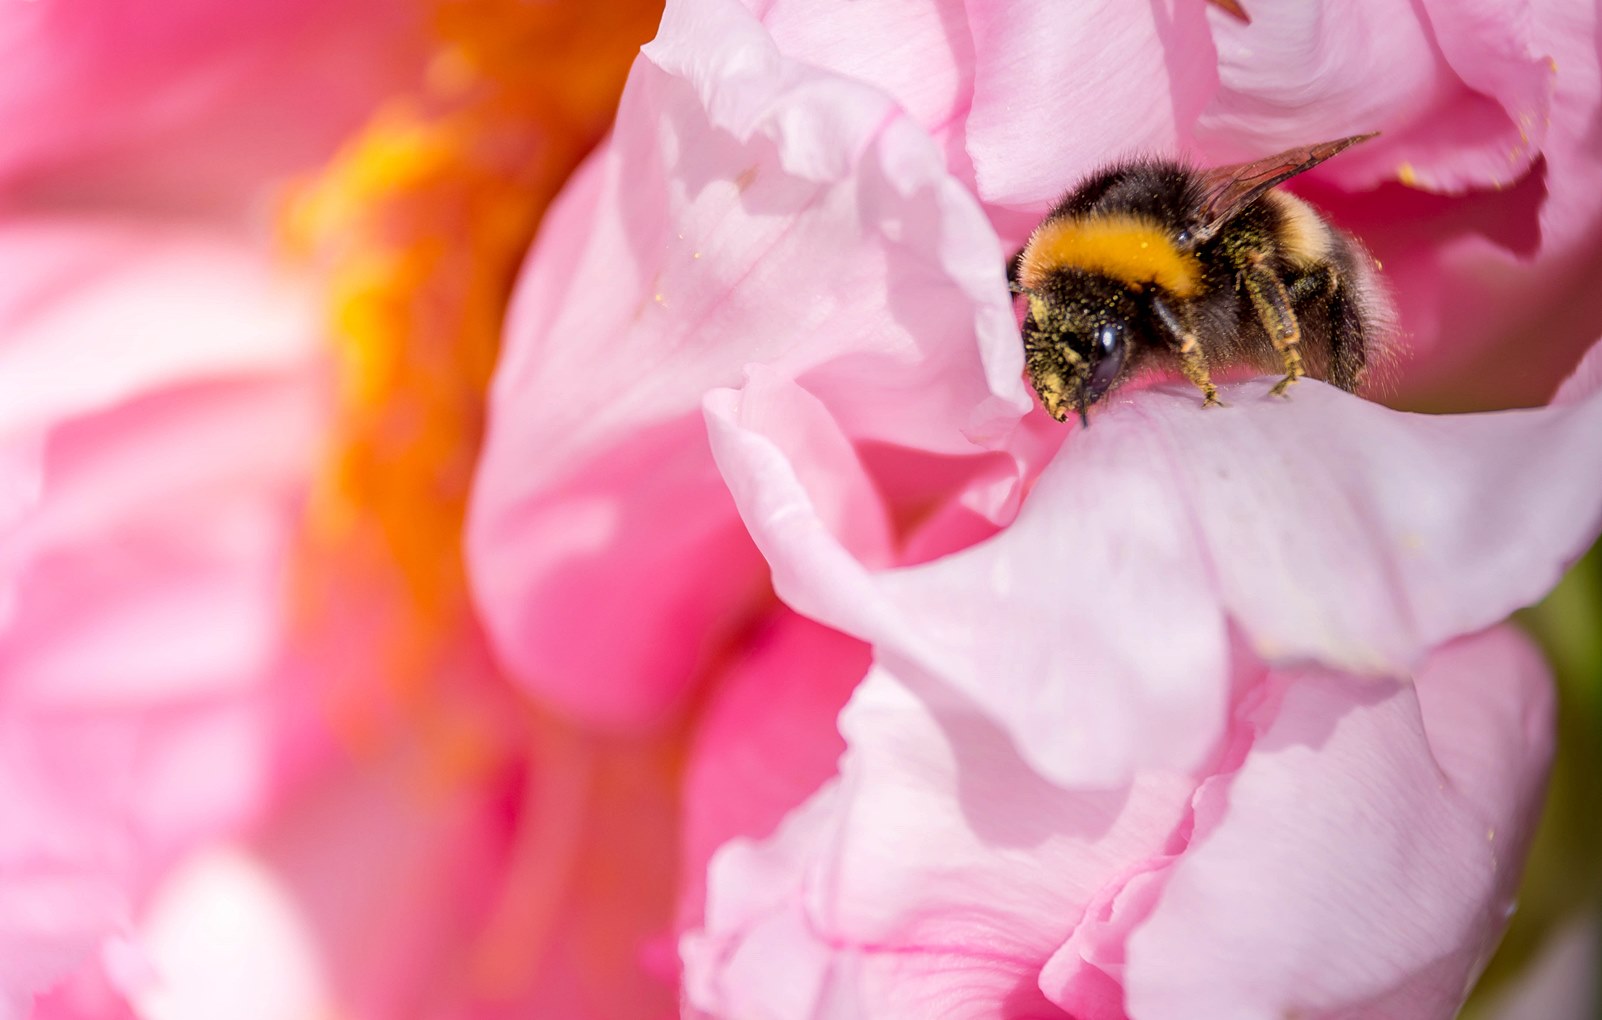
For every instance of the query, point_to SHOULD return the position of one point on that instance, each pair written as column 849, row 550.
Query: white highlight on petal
column 225, row 939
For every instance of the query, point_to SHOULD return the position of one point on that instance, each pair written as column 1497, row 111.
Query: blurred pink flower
column 204, row 813
column 161, row 408
column 190, row 109
column 796, row 235
column 143, row 563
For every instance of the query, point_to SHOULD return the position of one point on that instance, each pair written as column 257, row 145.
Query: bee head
column 1078, row 338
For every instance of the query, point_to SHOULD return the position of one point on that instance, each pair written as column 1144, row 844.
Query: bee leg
column 1192, row 359
column 1273, row 306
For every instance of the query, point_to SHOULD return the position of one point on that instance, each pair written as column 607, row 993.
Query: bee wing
column 1229, row 189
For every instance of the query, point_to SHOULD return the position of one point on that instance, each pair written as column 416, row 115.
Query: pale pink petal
column 1495, row 132
column 1085, row 705
column 919, row 53
column 142, row 625
column 766, row 741
column 1360, row 537
column 1061, row 89
column 1583, row 381
column 1568, row 33
column 131, row 540
column 1362, row 862
column 1459, row 90
column 1327, row 528
column 1490, row 103
column 225, row 937
column 540, row 886
column 932, row 879
column 97, row 310
column 151, row 603
column 358, row 896
column 99, row 992
column 62, row 875
column 143, row 577
column 749, row 210
column 940, row 875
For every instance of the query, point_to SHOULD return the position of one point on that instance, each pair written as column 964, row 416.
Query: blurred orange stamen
column 419, row 225
column 1232, row 7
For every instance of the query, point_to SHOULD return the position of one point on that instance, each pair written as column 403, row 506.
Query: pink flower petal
column 1483, row 277
column 942, row 876
column 1353, row 535
column 142, row 578
column 97, row 310
column 931, row 880
column 196, row 103
column 1456, row 88
column 1327, row 528
column 919, row 53
column 1493, row 47
column 1491, row 103
column 1363, row 859
column 749, row 210
column 1583, row 381
column 61, row 874
column 1144, row 698
column 225, row 937
column 766, row 741
column 358, row 895
column 1060, row 89
column 131, row 542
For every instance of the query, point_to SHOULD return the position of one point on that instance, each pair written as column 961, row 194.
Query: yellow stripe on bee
column 1127, row 248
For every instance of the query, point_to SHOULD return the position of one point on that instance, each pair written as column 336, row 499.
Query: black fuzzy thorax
column 1160, row 189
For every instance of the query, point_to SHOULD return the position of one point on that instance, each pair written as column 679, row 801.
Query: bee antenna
column 1017, row 288
column 1084, row 418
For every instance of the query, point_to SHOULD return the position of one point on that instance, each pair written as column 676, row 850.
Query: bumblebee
column 1153, row 261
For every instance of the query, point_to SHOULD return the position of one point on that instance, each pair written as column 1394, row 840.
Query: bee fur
column 1152, row 263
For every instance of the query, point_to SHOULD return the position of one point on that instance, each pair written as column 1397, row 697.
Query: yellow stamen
column 419, row 225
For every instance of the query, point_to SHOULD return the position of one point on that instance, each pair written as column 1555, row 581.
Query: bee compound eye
column 1109, row 338
column 1109, row 347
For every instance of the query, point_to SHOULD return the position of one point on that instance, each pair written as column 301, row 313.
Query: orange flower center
column 419, row 226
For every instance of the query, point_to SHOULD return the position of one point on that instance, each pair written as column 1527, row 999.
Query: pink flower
column 1352, row 848
column 248, row 769
column 703, row 274
column 143, row 563
column 1239, row 673
column 195, row 108
column 163, row 406
column 1105, row 666
column 1150, row 806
